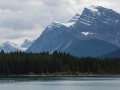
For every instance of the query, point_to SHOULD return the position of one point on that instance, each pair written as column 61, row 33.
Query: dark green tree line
column 17, row 63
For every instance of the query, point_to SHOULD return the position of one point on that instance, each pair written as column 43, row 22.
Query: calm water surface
column 59, row 83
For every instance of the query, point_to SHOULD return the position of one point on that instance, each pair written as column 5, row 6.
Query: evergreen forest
column 22, row 63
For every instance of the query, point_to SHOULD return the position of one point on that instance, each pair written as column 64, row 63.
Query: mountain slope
column 114, row 54
column 51, row 32
column 92, row 47
column 10, row 47
column 94, row 32
column 27, row 43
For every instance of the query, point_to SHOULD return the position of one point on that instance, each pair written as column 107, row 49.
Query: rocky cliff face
column 101, row 23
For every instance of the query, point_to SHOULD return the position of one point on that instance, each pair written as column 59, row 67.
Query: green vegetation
column 21, row 63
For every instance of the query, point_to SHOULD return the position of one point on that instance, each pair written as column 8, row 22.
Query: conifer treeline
column 16, row 63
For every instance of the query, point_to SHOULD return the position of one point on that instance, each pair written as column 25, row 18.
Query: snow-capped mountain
column 75, row 18
column 50, row 33
column 99, row 23
column 93, row 33
column 27, row 43
column 10, row 47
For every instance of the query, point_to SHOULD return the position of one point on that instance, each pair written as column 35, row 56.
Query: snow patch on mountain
column 89, row 17
column 67, row 45
column 86, row 33
column 85, row 23
column 56, row 47
column 70, row 23
column 85, row 20
column 58, row 24
column 93, row 8
column 54, row 24
column 75, row 18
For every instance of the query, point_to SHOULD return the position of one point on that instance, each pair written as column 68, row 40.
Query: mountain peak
column 9, row 47
column 92, row 8
column 54, row 24
column 58, row 25
column 97, row 8
column 75, row 18
column 8, row 43
column 101, row 10
column 70, row 23
column 27, row 43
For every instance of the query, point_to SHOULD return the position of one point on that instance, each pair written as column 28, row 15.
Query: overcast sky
column 26, row 19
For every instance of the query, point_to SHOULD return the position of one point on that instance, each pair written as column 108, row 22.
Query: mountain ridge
column 101, row 24
column 113, row 54
column 11, row 47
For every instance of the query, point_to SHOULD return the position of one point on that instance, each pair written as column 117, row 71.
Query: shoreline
column 51, row 75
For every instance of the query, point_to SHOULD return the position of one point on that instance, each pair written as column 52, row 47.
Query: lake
column 59, row 83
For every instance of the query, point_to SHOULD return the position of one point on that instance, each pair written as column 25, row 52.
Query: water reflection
column 59, row 83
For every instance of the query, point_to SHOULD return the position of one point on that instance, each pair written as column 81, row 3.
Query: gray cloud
column 20, row 19
column 53, row 3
